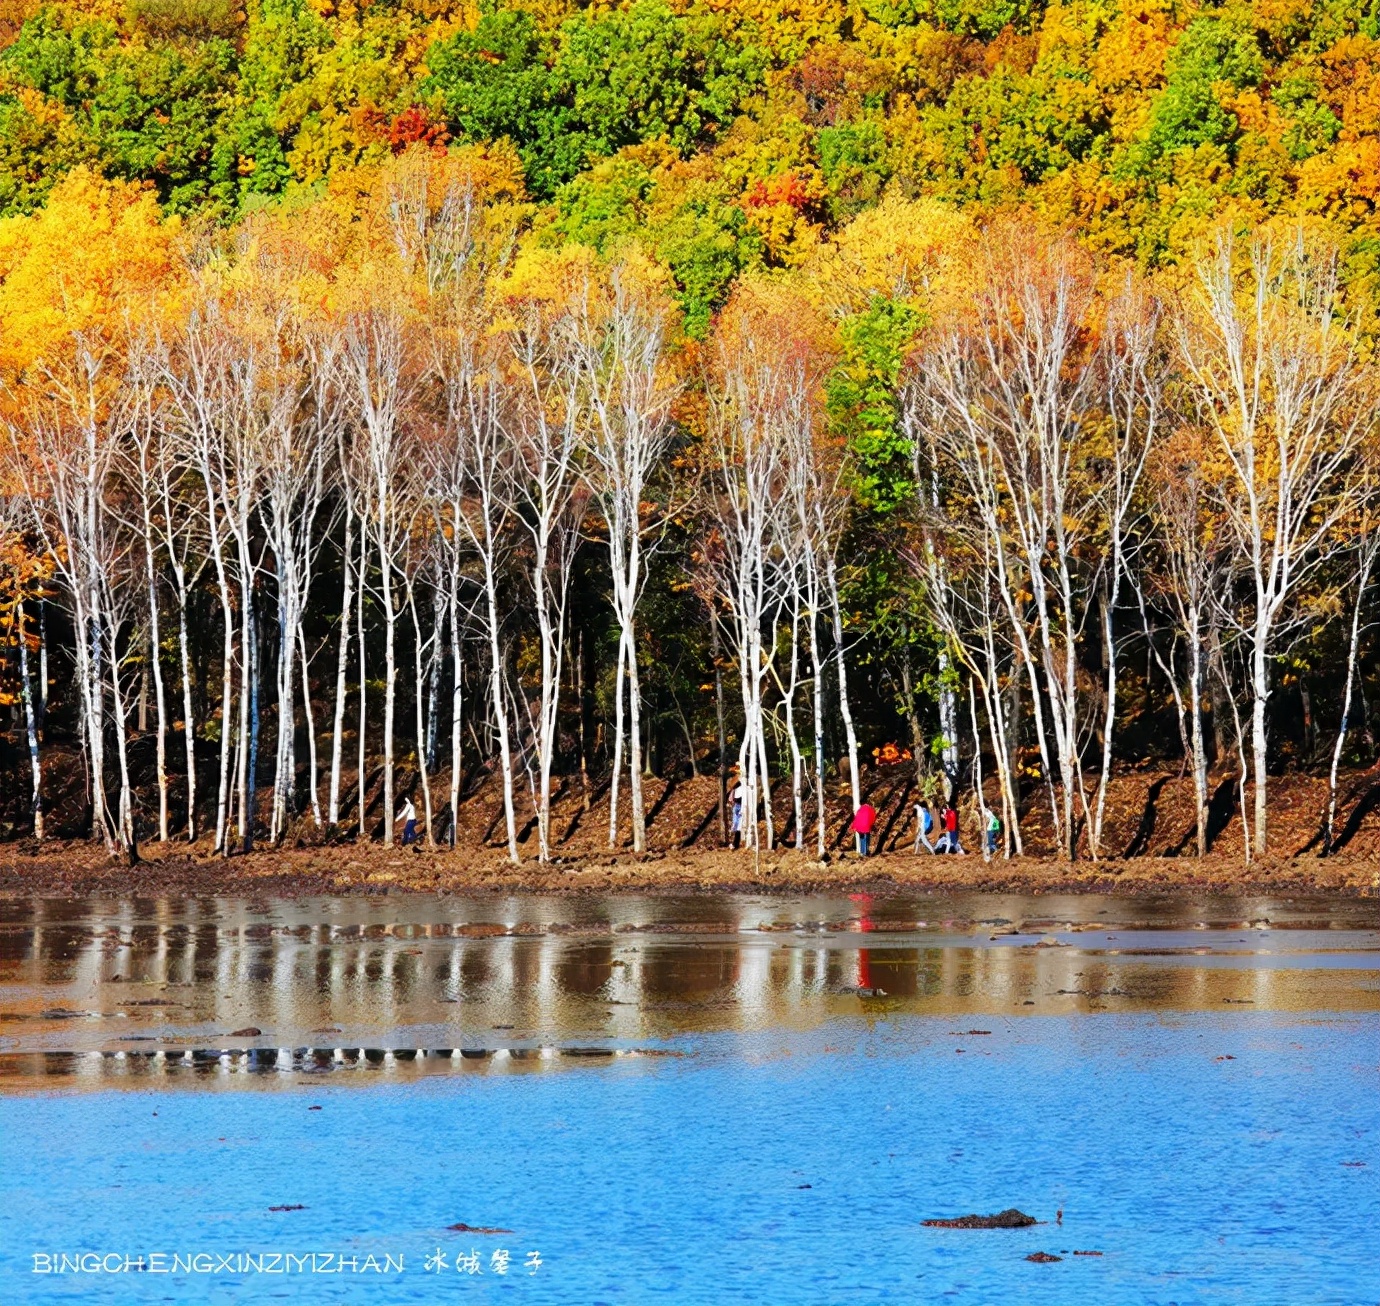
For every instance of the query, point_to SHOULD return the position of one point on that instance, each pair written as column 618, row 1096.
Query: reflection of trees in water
column 584, row 968
column 688, row 973
column 213, row 968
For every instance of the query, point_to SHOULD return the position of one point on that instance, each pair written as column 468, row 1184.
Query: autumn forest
column 435, row 400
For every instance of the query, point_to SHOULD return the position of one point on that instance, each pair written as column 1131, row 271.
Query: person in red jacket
column 951, row 843
column 863, row 821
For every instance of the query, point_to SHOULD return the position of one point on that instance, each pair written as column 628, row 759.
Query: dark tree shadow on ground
column 599, row 791
column 1222, row 806
column 1140, row 842
column 897, row 811
column 1370, row 800
column 693, row 837
column 867, row 792
column 665, row 797
column 532, row 821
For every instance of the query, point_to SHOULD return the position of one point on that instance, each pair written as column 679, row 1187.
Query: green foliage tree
column 604, row 81
column 35, row 150
column 497, row 81
column 864, row 407
column 1212, row 53
column 691, row 225
column 153, row 110
column 854, row 158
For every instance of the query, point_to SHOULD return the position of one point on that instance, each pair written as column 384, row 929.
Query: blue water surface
column 791, row 1167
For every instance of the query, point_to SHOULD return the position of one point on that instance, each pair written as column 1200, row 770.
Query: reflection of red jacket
column 863, row 821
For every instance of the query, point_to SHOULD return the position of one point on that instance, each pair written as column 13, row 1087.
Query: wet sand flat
column 84, row 870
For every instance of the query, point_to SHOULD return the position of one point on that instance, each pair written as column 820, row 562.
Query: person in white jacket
column 407, row 814
column 924, row 827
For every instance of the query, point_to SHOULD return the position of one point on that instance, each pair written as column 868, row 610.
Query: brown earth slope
column 1148, row 848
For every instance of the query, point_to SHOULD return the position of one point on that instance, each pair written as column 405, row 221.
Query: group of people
column 865, row 818
column 863, row 821
column 947, row 842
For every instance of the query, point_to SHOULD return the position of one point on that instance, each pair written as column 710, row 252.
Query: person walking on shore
column 407, row 814
column 737, row 811
column 993, row 832
column 924, row 827
column 863, row 821
column 949, row 843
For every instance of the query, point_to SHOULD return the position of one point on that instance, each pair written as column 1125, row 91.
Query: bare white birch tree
column 380, row 380
column 141, row 472
column 817, row 510
column 752, row 389
column 347, row 566
column 618, row 337
column 548, row 501
column 181, row 538
column 296, row 445
column 471, row 472
column 66, row 454
column 1017, row 381
column 1272, row 361
column 194, row 386
column 1134, row 381
column 1191, row 570
column 1367, row 550
column 14, row 516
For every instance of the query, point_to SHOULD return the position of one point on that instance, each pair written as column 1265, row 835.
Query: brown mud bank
column 1150, row 834
column 83, row 870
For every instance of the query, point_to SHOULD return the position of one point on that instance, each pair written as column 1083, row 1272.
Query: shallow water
column 699, row 1099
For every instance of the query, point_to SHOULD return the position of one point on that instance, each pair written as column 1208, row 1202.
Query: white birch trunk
column 30, row 723
column 1368, row 548
column 342, row 669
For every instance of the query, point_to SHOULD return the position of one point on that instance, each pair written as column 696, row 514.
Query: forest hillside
column 728, row 136
column 540, row 401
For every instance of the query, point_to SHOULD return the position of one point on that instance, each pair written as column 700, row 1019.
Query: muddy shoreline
column 79, row 870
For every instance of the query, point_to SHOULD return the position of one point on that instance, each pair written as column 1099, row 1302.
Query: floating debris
column 1008, row 1219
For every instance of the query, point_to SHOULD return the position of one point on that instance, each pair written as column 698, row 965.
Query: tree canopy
column 726, row 136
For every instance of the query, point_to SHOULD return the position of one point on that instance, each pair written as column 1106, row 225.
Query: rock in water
column 1010, row 1219
column 1043, row 1258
